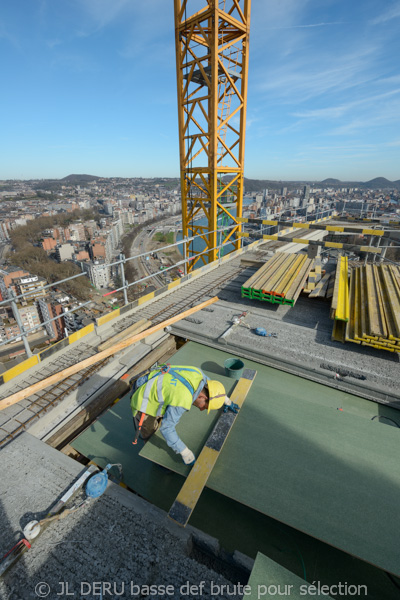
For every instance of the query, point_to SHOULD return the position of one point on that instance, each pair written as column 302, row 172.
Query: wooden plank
column 331, row 286
column 320, row 290
column 190, row 493
column 135, row 328
column 299, row 282
column 40, row 385
column 81, row 420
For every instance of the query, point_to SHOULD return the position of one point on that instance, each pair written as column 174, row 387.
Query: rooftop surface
column 35, row 474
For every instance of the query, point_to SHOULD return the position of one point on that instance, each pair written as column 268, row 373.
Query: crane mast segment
column 212, row 41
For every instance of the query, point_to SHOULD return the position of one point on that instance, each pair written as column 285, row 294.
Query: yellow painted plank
column 174, row 284
column 299, row 241
column 18, row 369
column 333, row 245
column 377, row 232
column 334, row 228
column 343, row 306
column 191, row 490
column 108, row 317
column 370, row 249
column 146, row 298
column 74, row 337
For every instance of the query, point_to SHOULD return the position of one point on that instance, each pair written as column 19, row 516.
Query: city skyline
column 90, row 87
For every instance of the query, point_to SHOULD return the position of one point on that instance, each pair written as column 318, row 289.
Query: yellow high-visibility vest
column 164, row 389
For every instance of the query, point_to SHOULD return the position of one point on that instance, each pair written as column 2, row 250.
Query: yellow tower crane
column 212, row 45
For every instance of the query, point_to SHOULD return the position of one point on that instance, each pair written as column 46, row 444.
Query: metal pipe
column 370, row 244
column 178, row 264
column 122, row 257
column 185, row 254
column 30, row 294
column 17, row 317
column 189, row 239
column 27, row 331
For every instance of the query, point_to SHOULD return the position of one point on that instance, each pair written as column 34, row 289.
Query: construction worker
column 161, row 397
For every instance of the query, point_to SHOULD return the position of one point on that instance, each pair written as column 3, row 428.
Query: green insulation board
column 304, row 454
column 269, row 579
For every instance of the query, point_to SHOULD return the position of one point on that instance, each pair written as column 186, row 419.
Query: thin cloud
column 309, row 25
column 6, row 35
column 334, row 112
column 388, row 15
column 310, row 76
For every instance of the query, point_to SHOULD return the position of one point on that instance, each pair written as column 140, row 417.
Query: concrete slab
column 110, row 545
column 303, row 345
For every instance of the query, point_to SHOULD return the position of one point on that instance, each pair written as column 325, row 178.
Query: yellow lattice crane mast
column 212, row 45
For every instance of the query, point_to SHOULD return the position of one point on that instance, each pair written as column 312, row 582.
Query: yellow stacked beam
column 340, row 301
column 299, row 280
column 280, row 280
column 374, row 308
column 257, row 280
column 343, row 308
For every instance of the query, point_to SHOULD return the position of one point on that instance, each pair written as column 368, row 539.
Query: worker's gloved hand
column 188, row 457
column 230, row 406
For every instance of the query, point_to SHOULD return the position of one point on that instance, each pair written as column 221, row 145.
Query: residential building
column 98, row 274
column 50, row 308
column 4, row 235
column 29, row 317
column 29, row 284
column 90, row 228
column 64, row 252
column 77, row 231
column 7, row 274
column 48, row 244
column 82, row 255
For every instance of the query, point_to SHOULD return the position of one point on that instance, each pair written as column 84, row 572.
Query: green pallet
column 257, row 294
column 289, row 301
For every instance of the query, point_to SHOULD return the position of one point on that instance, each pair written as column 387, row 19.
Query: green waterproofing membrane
column 304, row 454
column 269, row 579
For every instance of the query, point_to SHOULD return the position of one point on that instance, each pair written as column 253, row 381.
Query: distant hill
column 379, row 183
column 77, row 179
column 331, row 182
column 251, row 185
column 257, row 185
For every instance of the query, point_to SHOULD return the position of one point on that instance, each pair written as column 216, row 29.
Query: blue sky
column 88, row 86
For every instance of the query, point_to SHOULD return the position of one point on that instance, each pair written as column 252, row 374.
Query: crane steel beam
column 212, row 63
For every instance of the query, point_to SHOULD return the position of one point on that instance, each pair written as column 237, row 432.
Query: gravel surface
column 115, row 547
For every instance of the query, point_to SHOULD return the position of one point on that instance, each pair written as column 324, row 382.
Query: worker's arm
column 168, row 428
column 230, row 406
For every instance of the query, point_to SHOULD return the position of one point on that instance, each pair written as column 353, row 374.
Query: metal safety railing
column 13, row 297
